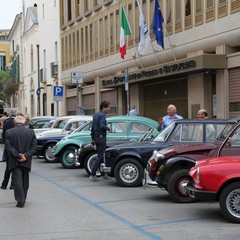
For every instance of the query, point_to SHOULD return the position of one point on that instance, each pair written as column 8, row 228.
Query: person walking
column 21, row 143
column 98, row 135
column 27, row 122
column 8, row 124
column 133, row 112
column 169, row 118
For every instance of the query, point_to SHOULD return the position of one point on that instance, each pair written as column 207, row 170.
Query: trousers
column 20, row 178
column 101, row 144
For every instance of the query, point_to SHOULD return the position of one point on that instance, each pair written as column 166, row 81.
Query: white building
column 39, row 50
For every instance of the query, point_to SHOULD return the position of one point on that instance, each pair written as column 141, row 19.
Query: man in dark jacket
column 98, row 134
column 8, row 124
column 21, row 143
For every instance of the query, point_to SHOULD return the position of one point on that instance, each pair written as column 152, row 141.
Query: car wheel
column 89, row 162
column 176, row 186
column 129, row 173
column 49, row 153
column 229, row 202
column 68, row 157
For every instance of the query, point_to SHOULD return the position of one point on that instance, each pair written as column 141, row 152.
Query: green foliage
column 4, row 76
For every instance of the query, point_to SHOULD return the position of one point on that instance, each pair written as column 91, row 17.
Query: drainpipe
column 38, row 90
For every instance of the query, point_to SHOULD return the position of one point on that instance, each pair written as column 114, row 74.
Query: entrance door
column 158, row 96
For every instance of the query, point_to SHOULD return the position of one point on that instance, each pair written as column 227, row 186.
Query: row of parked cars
column 173, row 159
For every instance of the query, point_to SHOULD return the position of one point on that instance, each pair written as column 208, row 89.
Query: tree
column 4, row 77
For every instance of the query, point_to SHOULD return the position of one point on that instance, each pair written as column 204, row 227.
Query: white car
column 66, row 124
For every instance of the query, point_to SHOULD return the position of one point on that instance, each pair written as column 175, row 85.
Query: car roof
column 86, row 118
column 42, row 117
column 132, row 118
column 74, row 116
column 201, row 120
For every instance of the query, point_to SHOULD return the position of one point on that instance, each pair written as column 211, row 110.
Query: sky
column 8, row 11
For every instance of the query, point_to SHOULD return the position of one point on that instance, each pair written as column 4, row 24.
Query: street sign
column 38, row 91
column 77, row 77
column 58, row 93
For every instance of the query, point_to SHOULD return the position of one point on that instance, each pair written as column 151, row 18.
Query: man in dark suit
column 21, row 143
column 8, row 123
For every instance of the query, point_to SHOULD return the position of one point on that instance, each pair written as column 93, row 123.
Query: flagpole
column 154, row 52
column 139, row 55
column 171, row 46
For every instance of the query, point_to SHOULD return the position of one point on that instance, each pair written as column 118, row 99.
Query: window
column 77, row 9
column 31, row 57
column 69, row 10
column 138, row 128
column 106, row 33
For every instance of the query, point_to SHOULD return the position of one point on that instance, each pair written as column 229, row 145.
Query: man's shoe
column 3, row 161
column 20, row 205
column 93, row 178
column 11, row 186
column 3, row 187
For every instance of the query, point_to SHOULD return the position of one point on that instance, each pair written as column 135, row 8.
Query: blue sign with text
column 58, row 91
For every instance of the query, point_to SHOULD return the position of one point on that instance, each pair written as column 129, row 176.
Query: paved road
column 62, row 204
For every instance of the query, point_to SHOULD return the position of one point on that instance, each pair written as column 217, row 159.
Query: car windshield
column 60, row 124
column 164, row 133
column 225, row 132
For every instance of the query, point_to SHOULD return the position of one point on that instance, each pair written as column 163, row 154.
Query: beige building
column 198, row 68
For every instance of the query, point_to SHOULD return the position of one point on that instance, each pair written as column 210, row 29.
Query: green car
column 123, row 128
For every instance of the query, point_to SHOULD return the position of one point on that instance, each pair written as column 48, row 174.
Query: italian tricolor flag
column 125, row 30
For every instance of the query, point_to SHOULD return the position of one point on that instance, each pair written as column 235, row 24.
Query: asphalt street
column 64, row 204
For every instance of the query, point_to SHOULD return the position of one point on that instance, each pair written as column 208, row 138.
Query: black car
column 87, row 152
column 126, row 162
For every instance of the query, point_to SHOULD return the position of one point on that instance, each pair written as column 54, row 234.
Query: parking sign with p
column 58, row 93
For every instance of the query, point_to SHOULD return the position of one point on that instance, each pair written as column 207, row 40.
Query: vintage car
column 66, row 124
column 87, row 153
column 218, row 179
column 169, row 167
column 45, row 144
column 126, row 162
column 122, row 128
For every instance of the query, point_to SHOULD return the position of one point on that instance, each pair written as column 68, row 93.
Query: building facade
column 199, row 66
column 35, row 52
column 4, row 50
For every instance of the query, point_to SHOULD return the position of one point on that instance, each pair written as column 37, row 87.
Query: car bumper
column 104, row 168
column 147, row 182
column 200, row 195
column 39, row 151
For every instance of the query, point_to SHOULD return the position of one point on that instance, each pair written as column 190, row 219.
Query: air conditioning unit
column 54, row 69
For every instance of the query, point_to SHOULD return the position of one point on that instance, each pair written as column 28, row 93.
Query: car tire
column 68, row 157
column 175, row 186
column 89, row 161
column 229, row 202
column 129, row 173
column 49, row 153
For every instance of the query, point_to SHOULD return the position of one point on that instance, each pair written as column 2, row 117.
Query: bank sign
column 160, row 71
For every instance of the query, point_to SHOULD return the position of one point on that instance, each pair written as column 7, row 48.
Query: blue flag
column 157, row 24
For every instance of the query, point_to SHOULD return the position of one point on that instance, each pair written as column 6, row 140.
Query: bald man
column 169, row 118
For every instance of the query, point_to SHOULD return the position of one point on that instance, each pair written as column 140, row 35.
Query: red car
column 218, row 179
